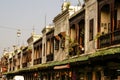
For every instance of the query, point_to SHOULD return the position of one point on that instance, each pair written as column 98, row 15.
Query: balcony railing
column 24, row 64
column 73, row 52
column 116, row 37
column 109, row 39
column 37, row 61
column 105, row 40
column 50, row 57
column 76, row 50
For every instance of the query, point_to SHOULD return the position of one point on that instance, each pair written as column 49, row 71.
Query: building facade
column 83, row 44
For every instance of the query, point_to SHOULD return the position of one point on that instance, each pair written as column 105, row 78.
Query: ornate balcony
column 37, row 61
column 73, row 51
column 109, row 39
column 50, row 57
column 24, row 64
column 76, row 50
column 116, row 38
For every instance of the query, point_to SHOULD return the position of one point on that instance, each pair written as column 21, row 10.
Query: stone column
column 102, row 75
column 94, row 75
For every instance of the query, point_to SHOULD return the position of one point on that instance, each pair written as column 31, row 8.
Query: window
column 62, row 42
column 52, row 45
column 91, row 26
column 115, row 20
column 56, row 44
column 40, row 50
column 44, row 50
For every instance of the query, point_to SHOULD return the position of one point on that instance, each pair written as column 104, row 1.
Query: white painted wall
column 61, row 25
column 90, row 13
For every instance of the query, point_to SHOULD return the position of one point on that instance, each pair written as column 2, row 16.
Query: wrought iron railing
column 73, row 52
column 109, row 39
column 35, row 61
column 38, row 61
column 105, row 40
column 50, row 57
column 116, row 37
column 76, row 50
column 24, row 64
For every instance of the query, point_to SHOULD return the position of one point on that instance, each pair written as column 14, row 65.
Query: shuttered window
column 56, row 44
column 91, row 27
column 62, row 42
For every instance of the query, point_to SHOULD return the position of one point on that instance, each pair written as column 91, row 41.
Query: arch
column 105, row 19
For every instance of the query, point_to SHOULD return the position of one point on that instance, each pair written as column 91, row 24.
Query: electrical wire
column 10, row 28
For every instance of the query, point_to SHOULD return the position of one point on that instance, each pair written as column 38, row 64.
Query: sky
column 24, row 15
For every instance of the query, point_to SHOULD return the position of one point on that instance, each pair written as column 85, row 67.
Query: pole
column 18, row 35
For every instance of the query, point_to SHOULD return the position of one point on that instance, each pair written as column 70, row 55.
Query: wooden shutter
column 91, row 26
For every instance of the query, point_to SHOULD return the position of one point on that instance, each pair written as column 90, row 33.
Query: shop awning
column 62, row 66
